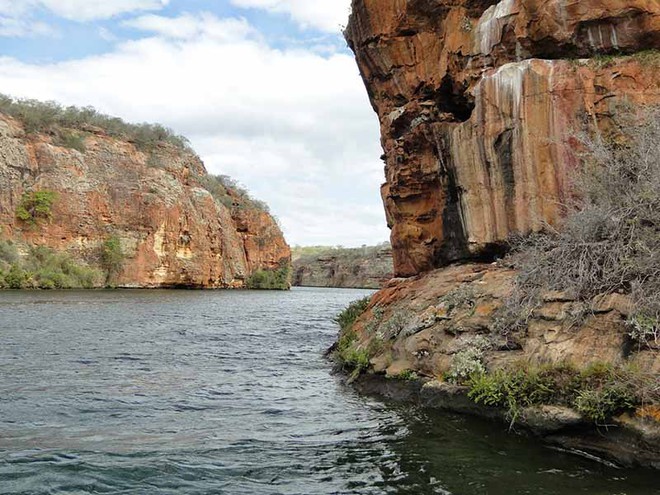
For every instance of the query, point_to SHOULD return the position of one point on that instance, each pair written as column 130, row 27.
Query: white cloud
column 292, row 125
column 190, row 27
column 20, row 28
column 326, row 15
column 17, row 17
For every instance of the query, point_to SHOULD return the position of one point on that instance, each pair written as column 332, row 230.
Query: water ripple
column 227, row 392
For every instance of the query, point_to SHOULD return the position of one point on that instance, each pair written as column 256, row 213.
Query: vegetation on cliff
column 112, row 257
column 230, row 193
column 44, row 268
column 52, row 118
column 609, row 241
column 598, row 392
column 352, row 358
column 36, row 206
column 278, row 279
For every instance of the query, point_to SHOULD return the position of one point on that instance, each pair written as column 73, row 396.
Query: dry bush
column 610, row 238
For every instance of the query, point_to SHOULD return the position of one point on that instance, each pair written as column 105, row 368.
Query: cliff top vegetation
column 230, row 193
column 52, row 118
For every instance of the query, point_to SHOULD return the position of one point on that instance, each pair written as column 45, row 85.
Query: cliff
column 479, row 103
column 368, row 267
column 483, row 108
column 424, row 338
column 169, row 222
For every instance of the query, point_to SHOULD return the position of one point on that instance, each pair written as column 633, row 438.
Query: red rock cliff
column 477, row 102
column 173, row 232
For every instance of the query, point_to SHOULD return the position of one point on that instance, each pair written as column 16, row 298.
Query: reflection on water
column 226, row 392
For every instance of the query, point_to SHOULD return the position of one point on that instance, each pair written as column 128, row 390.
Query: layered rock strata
column 479, row 103
column 173, row 232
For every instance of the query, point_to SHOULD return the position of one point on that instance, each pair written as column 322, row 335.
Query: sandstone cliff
column 171, row 230
column 478, row 102
column 419, row 331
column 368, row 267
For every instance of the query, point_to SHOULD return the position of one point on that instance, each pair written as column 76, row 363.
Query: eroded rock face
column 172, row 231
column 479, row 103
column 423, row 322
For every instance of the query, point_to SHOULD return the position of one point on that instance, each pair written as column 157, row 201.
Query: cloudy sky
column 266, row 91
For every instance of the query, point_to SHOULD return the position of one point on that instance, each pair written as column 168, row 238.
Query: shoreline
column 628, row 442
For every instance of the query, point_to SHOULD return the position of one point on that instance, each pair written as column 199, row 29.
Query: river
column 177, row 392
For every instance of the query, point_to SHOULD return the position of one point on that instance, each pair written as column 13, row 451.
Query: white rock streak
column 506, row 84
column 598, row 37
column 489, row 29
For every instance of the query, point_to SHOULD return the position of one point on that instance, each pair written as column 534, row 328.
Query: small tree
column 112, row 257
column 36, row 206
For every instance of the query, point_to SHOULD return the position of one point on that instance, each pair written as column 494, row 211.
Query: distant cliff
column 368, row 267
column 133, row 203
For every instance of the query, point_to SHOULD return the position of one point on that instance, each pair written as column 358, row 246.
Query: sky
column 266, row 91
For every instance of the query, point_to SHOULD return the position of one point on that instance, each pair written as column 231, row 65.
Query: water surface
column 175, row 392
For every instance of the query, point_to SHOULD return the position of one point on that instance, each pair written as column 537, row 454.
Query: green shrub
column 72, row 140
column 598, row 392
column 356, row 359
column 36, row 206
column 279, row 279
column 50, row 118
column 16, row 278
column 599, row 405
column 112, row 257
column 406, row 375
column 8, row 252
column 44, row 268
column 51, row 270
column 354, row 310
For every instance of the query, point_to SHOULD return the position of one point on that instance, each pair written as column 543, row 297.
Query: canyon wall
column 369, row 267
column 172, row 231
column 480, row 103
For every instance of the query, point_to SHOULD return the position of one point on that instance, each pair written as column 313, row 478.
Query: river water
column 174, row 392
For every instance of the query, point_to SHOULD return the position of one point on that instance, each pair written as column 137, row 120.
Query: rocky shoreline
column 626, row 441
column 409, row 341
